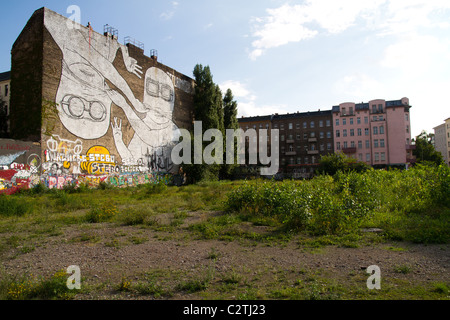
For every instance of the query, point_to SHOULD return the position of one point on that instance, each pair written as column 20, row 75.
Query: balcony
column 313, row 152
column 312, row 140
column 411, row 147
column 291, row 153
column 289, row 141
column 349, row 150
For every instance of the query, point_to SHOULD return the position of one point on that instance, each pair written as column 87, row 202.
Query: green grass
column 410, row 207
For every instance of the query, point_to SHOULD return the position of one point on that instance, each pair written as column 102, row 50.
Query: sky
column 281, row 56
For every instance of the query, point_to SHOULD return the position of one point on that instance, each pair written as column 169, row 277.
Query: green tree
column 208, row 108
column 333, row 163
column 230, row 122
column 425, row 151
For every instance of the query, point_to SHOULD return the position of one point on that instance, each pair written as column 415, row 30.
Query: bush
column 396, row 200
column 13, row 206
column 102, row 213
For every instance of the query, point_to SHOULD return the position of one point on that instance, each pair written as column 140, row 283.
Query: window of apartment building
column 297, row 126
column 374, row 108
column 366, row 132
column 275, row 126
column 322, row 147
column 375, row 144
column 352, row 121
column 352, row 144
column 299, row 160
column 305, row 125
column 291, row 148
column 291, row 161
column 407, row 129
column 313, row 159
column 345, row 145
column 321, row 123
column 359, row 132
column 329, row 147
column 313, row 124
column 283, row 150
column 6, row 90
column 313, row 147
column 344, row 111
column 299, row 137
column 377, row 157
column 338, row 146
column 345, row 132
column 350, row 111
column 375, row 130
column 367, row 157
column 337, row 122
column 305, row 136
column 360, row 157
column 329, row 134
column 358, row 121
column 382, row 143
column 322, row 135
column 366, row 120
column 383, row 156
column 360, row 144
column 380, row 108
column 352, row 132
column 313, row 135
column 291, row 126
column 407, row 141
column 406, row 117
column 282, row 126
column 367, row 144
column 338, row 133
column 328, row 123
column 283, row 161
column 282, row 137
column 290, row 137
column 306, row 160
column 382, row 130
column 344, row 122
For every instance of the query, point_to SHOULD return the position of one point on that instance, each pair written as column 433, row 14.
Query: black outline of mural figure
column 87, row 64
column 155, row 132
column 84, row 99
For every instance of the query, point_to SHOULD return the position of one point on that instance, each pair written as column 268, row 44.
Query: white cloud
column 359, row 87
column 167, row 15
column 295, row 23
column 247, row 101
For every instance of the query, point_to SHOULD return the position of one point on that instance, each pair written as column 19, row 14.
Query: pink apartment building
column 378, row 132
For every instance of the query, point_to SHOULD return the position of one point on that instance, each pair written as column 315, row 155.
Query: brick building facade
column 97, row 107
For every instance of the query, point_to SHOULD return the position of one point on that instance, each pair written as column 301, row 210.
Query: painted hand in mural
column 117, row 129
column 133, row 67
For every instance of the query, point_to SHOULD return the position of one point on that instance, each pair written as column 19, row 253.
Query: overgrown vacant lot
column 233, row 240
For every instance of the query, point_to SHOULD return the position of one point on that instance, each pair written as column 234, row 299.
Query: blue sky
column 285, row 56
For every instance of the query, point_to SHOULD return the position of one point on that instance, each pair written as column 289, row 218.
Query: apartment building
column 442, row 140
column 5, row 89
column 304, row 139
column 377, row 132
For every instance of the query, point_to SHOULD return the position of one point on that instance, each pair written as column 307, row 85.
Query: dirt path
column 105, row 255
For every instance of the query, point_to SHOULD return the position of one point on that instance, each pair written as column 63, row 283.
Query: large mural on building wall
column 90, row 84
column 112, row 117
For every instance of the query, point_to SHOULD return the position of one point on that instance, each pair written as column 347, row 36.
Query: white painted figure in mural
column 83, row 103
column 84, row 98
column 155, row 131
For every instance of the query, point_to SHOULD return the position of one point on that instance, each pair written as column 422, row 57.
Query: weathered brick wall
column 26, row 81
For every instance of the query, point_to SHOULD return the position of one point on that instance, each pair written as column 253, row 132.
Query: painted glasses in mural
column 85, row 99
